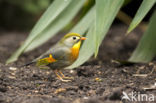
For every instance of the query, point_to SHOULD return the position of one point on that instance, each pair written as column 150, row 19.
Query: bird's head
column 72, row 39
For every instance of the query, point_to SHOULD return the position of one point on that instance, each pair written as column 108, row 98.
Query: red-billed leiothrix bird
column 61, row 55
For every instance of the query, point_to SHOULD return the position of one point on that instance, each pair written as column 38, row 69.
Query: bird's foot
column 63, row 76
column 68, row 77
column 65, row 80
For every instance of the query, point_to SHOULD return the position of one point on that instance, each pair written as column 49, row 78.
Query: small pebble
column 36, row 91
column 47, row 72
column 11, row 77
column 13, row 68
column 72, row 71
column 85, row 97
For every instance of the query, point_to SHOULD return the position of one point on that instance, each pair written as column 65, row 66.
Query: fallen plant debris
column 60, row 90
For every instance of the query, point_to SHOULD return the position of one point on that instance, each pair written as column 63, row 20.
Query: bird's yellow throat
column 77, row 45
column 75, row 50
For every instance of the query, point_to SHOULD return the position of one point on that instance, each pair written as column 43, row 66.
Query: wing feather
column 46, row 61
column 53, row 55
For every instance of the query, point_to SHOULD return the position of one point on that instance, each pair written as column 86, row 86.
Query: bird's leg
column 56, row 72
column 63, row 76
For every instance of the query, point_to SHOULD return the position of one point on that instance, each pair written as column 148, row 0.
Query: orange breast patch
column 75, row 51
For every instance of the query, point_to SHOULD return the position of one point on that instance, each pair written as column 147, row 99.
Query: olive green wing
column 45, row 61
column 53, row 55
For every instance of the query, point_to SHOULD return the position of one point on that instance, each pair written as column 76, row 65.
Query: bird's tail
column 27, row 64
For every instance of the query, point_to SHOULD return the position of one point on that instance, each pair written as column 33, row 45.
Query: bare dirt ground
column 100, row 80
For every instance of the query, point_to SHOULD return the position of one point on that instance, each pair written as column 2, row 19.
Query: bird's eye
column 74, row 38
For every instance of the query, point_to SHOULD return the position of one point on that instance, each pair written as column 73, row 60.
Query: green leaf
column 61, row 21
column 146, row 49
column 51, row 13
column 49, row 16
column 106, row 11
column 84, row 24
column 141, row 13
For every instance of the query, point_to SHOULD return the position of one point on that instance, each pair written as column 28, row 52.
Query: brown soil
column 99, row 80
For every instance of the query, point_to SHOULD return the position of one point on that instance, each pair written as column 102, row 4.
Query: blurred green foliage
column 31, row 6
column 21, row 14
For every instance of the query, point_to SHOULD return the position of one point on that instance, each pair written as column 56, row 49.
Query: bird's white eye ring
column 74, row 38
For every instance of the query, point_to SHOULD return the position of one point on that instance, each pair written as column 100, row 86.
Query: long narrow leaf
column 61, row 21
column 85, row 23
column 146, row 48
column 106, row 11
column 50, row 15
column 141, row 13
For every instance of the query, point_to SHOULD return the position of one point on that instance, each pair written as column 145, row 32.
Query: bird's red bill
column 83, row 38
